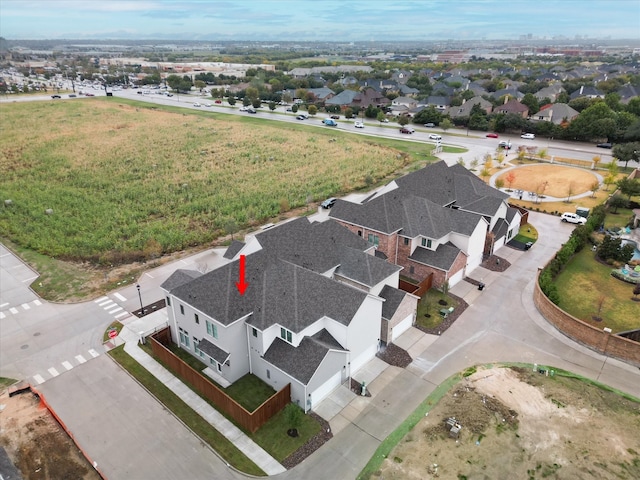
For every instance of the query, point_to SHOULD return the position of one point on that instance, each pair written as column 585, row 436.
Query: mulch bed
column 314, row 443
column 495, row 263
column 395, row 356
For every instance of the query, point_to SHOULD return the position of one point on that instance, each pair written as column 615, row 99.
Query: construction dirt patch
column 555, row 180
column 520, row 424
column 36, row 443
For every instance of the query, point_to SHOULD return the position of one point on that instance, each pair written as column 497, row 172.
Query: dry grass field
column 560, row 180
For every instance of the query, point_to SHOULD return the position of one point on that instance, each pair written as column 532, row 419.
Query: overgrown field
column 126, row 183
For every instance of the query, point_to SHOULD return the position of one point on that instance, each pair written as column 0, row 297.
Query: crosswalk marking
column 26, row 306
column 53, row 372
column 93, row 353
column 67, row 365
column 106, row 302
column 80, row 359
column 38, row 379
column 2, row 315
column 37, row 302
column 114, row 310
column 13, row 310
column 98, row 300
column 122, row 314
column 120, row 297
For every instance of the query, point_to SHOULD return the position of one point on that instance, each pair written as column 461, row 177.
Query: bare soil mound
column 37, row 444
column 524, row 425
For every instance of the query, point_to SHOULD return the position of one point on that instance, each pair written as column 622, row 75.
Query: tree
column 294, row 108
column 231, row 100
column 312, row 110
column 570, row 190
column 445, row 124
column 636, row 291
column 595, row 186
column 609, row 180
column 596, row 160
column 499, row 183
column 484, row 173
column 251, row 92
column 256, row 103
column 403, row 120
column 199, row 84
column 381, row 117
column 293, row 415
column 348, row 113
column 627, row 151
column 618, row 201
column 510, row 178
column 629, row 187
column 272, row 106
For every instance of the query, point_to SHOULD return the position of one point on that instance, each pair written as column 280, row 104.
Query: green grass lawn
column 527, row 233
column 585, row 282
column 619, row 219
column 430, row 305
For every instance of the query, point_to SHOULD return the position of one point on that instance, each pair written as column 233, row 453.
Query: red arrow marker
column 242, row 284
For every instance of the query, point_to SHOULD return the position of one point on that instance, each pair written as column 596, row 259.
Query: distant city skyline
column 318, row 20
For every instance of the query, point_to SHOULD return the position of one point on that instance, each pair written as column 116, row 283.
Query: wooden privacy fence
column 419, row 289
column 249, row 421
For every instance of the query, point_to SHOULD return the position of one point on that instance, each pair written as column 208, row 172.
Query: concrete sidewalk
column 131, row 334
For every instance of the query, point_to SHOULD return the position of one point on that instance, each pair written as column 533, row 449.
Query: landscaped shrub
column 612, row 249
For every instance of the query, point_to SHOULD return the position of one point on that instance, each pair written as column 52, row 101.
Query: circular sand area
column 560, row 180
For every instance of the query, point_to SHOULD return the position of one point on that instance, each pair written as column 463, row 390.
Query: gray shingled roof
column 280, row 291
column 178, row 278
column 364, row 268
column 215, row 352
column 303, row 361
column 393, row 297
column 441, row 258
column 233, row 249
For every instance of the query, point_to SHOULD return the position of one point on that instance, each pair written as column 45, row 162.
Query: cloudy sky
column 336, row 20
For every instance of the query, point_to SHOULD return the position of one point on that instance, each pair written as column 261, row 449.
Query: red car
column 492, row 135
column 218, row 101
column 407, row 130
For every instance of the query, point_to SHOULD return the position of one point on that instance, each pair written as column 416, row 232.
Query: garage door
column 456, row 278
column 325, row 389
column 402, row 327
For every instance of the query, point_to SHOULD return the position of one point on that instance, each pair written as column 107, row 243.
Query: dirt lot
column 36, row 443
column 555, row 180
column 517, row 424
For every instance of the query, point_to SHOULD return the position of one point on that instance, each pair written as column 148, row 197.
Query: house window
column 182, row 309
column 268, row 373
column 371, row 238
column 196, row 348
column 424, row 242
column 428, row 243
column 212, row 329
column 406, row 241
column 184, row 337
column 411, row 269
column 285, row 334
column 219, row 367
column 169, row 301
column 212, row 361
column 359, row 233
column 195, row 315
column 255, row 332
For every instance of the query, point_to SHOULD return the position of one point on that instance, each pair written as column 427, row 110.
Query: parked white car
column 573, row 218
column 528, row 136
column 435, row 136
column 359, row 125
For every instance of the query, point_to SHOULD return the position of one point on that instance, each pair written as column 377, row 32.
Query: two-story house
column 439, row 220
column 312, row 315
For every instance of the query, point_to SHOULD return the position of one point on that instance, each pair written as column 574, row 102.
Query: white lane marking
column 26, row 306
column 38, row 379
column 98, row 300
column 120, row 297
column 122, row 314
column 107, row 302
column 53, row 372
column 2, row 315
column 149, row 275
column 67, row 365
column 37, row 302
column 80, row 359
column 114, row 310
column 4, row 304
column 93, row 353
column 13, row 310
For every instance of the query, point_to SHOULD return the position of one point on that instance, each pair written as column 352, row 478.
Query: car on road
column 435, row 136
column 407, row 130
column 72, row 95
column 385, row 120
column 328, row 203
column 208, row 105
column 358, row 125
column 528, row 136
column 430, row 125
column 89, row 95
column 289, row 109
column 251, row 110
column 330, row 122
column 55, row 96
column 492, row 135
column 196, row 104
column 218, row 101
column 569, row 217
column 243, row 109
column 505, row 145
column 604, row 145
column 335, row 117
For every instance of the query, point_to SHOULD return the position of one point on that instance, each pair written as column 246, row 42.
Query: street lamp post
column 140, row 297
